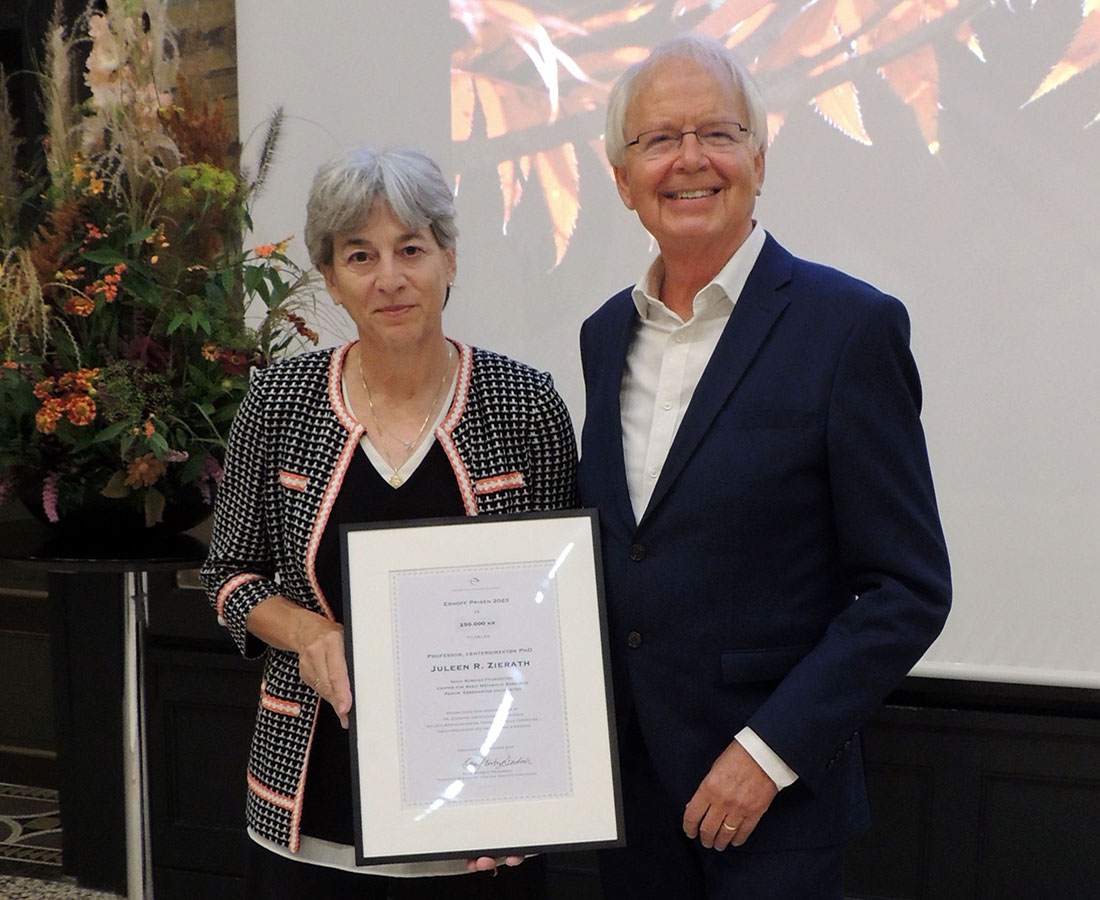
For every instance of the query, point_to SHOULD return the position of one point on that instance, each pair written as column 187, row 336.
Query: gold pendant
column 396, row 480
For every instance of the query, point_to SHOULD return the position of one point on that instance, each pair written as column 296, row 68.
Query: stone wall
column 207, row 35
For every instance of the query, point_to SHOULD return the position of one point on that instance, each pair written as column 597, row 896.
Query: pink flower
column 211, row 473
column 7, row 484
column 49, row 497
column 104, row 61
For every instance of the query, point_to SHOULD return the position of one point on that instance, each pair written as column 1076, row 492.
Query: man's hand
column 730, row 801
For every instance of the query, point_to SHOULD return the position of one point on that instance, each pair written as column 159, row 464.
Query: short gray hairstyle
column 710, row 55
column 347, row 188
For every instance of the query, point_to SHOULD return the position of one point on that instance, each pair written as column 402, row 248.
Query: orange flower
column 80, row 305
column 84, row 379
column 45, row 419
column 107, row 286
column 44, row 389
column 93, row 232
column 211, row 351
column 80, row 380
column 149, row 428
column 80, row 409
column 264, row 250
column 144, row 471
column 8, row 364
column 300, row 326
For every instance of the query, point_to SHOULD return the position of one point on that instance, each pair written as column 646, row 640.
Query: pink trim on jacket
column 332, row 489
column 485, row 486
column 292, row 480
column 273, row 797
column 277, row 704
column 355, row 431
column 450, row 422
column 229, row 587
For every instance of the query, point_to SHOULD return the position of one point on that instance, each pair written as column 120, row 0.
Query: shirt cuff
column 777, row 770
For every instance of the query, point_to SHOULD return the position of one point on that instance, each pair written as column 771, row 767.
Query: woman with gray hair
column 403, row 423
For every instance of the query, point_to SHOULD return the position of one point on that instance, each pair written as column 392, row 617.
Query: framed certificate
column 482, row 722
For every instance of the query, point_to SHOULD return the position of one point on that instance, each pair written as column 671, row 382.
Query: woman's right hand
column 318, row 641
column 322, row 664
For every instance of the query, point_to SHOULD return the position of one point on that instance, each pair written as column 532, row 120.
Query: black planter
column 104, row 519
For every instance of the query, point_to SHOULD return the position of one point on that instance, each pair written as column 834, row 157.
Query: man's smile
column 690, row 195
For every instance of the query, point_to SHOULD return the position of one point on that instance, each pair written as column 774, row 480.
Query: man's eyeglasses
column 714, row 136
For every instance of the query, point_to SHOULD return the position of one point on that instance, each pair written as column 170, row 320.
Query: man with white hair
column 774, row 558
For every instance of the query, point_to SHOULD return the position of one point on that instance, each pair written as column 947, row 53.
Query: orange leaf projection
column 529, row 84
column 1082, row 53
column 561, row 185
column 840, row 106
column 511, row 184
column 915, row 78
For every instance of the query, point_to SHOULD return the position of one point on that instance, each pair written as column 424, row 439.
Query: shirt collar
column 718, row 297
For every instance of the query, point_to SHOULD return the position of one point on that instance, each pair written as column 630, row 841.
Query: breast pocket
column 508, row 481
column 504, row 493
column 293, row 481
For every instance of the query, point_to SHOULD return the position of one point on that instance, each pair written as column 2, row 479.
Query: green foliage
column 130, row 313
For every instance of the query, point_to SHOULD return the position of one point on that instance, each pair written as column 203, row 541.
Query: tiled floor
column 15, row 887
column 30, row 848
column 30, row 826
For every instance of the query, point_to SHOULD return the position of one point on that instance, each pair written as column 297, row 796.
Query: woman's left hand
column 489, row 864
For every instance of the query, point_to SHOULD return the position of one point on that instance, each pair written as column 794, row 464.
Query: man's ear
column 759, row 167
column 622, row 182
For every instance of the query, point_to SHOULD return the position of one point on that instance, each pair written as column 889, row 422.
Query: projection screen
column 947, row 151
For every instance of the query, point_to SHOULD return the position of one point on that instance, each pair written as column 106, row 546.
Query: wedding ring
column 729, row 827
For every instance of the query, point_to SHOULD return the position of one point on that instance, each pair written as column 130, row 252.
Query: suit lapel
column 754, row 315
column 605, row 431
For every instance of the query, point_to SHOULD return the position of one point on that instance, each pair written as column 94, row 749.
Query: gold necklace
column 395, row 479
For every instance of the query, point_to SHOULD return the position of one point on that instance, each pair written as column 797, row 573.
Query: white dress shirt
column 665, row 361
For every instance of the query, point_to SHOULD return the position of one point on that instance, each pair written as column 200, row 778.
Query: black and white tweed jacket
column 509, row 439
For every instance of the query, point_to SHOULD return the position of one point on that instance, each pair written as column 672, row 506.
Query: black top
column 365, row 496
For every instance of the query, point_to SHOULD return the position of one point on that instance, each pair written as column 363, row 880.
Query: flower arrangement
column 130, row 313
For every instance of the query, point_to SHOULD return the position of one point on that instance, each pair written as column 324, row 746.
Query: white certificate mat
column 482, row 722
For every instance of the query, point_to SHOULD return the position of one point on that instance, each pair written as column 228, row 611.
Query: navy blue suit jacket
column 790, row 568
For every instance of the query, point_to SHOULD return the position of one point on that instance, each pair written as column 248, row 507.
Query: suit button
column 634, row 640
column 637, row 552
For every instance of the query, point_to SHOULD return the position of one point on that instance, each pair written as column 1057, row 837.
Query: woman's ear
column 328, row 274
